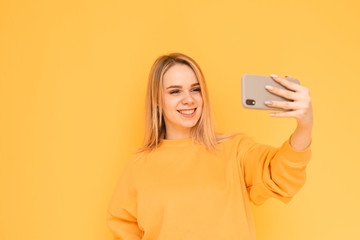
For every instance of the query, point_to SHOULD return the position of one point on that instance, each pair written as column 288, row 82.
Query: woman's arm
column 301, row 110
column 301, row 138
column 280, row 172
column 271, row 172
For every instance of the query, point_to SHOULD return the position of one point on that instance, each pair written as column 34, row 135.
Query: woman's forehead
column 180, row 75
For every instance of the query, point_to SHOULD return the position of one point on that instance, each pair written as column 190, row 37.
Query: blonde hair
column 203, row 132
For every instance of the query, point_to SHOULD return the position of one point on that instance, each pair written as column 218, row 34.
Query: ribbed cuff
column 294, row 155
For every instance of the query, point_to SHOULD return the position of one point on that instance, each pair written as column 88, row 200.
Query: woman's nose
column 188, row 98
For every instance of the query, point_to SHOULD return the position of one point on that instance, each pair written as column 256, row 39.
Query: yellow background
column 72, row 87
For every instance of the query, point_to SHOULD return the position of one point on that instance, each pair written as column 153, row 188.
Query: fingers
column 300, row 108
column 285, row 114
column 282, row 92
column 283, row 104
column 286, row 83
column 299, row 114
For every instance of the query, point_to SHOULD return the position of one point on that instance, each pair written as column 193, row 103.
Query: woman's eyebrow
column 178, row 86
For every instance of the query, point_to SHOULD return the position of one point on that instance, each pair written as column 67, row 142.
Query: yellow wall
column 72, row 83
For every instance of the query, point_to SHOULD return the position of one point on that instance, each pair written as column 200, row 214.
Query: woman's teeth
column 187, row 111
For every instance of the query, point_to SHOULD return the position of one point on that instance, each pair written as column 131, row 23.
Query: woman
column 188, row 181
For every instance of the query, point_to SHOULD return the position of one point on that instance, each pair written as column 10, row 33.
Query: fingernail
column 269, row 87
column 268, row 102
column 273, row 75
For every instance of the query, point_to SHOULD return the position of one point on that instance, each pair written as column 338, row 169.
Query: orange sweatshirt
column 182, row 191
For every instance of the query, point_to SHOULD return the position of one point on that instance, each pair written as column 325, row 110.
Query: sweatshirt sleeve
column 122, row 211
column 272, row 172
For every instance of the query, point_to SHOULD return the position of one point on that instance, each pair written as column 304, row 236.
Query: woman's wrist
column 301, row 138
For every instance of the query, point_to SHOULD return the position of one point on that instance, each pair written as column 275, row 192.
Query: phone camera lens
column 250, row 102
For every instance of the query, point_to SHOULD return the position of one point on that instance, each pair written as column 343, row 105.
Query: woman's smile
column 188, row 113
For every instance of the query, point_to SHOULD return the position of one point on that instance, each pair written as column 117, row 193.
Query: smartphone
column 254, row 93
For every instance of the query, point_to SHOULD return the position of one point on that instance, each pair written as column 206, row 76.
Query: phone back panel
column 254, row 93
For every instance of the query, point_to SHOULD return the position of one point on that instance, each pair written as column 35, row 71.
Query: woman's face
column 182, row 101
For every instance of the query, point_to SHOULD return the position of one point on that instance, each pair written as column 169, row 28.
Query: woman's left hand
column 301, row 107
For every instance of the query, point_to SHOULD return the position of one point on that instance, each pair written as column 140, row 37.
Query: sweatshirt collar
column 176, row 142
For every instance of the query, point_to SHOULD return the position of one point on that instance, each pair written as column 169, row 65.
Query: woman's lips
column 187, row 115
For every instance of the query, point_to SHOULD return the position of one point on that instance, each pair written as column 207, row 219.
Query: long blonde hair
column 203, row 132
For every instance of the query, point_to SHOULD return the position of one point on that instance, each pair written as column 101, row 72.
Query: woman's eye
column 177, row 91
